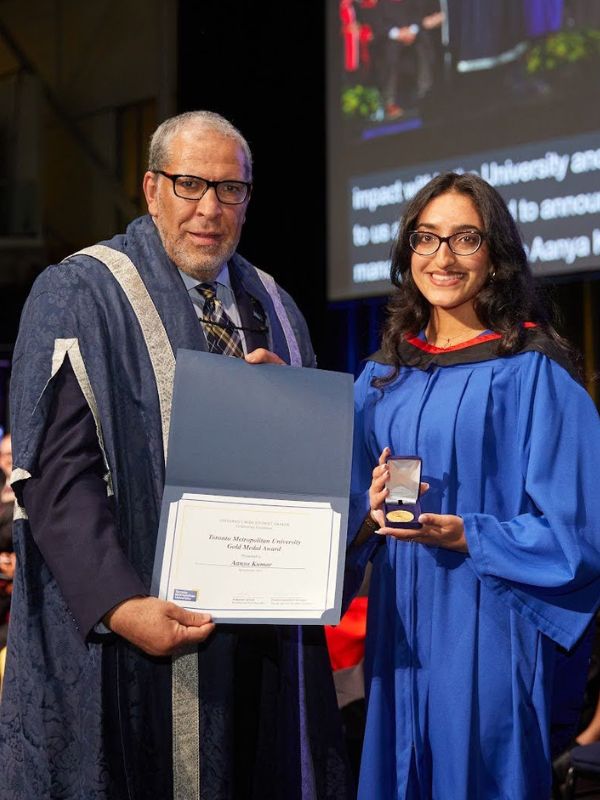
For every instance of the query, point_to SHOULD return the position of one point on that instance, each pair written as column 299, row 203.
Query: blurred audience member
column 588, row 728
column 7, row 556
column 6, row 495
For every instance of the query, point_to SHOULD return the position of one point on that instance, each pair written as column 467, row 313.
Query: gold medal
column 400, row 516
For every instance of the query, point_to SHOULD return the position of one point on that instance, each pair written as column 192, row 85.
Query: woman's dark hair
column 507, row 299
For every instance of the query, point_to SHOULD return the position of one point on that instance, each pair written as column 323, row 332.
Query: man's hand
column 263, row 356
column 158, row 627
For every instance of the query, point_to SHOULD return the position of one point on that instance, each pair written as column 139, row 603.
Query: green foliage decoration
column 361, row 101
column 564, row 47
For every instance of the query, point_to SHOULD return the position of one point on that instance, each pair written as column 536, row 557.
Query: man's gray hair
column 204, row 122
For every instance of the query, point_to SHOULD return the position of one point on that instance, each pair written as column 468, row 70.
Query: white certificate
column 249, row 559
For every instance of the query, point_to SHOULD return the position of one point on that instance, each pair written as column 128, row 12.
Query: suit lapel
column 252, row 314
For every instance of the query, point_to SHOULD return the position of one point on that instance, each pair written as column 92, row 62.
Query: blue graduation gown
column 460, row 648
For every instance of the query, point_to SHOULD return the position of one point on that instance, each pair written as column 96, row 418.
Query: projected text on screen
column 552, row 189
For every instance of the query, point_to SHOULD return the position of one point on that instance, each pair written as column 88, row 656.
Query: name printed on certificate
column 251, row 558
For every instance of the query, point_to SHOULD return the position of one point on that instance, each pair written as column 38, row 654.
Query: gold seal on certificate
column 400, row 516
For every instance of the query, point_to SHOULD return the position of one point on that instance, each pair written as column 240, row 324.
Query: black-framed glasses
column 192, row 187
column 463, row 243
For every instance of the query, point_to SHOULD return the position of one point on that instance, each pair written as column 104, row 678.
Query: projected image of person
column 467, row 613
column 357, row 36
column 495, row 41
column 405, row 60
column 405, row 52
column 483, row 35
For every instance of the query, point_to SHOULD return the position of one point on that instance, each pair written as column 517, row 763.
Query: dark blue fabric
column 68, row 506
column 93, row 721
column 587, row 757
column 568, row 692
column 480, row 29
column 461, row 648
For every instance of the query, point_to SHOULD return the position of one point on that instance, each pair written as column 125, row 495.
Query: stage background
column 83, row 85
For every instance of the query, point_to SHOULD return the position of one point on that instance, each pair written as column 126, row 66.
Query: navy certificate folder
column 265, row 431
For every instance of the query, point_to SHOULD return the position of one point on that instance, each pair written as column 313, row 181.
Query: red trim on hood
column 488, row 337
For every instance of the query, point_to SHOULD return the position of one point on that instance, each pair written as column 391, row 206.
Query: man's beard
column 202, row 266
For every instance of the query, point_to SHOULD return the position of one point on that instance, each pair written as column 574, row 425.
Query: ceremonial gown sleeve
column 546, row 562
column 358, row 556
column 71, row 516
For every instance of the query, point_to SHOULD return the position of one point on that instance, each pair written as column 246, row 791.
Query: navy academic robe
column 86, row 717
column 461, row 648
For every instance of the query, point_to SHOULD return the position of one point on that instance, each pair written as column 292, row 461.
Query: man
column 87, row 710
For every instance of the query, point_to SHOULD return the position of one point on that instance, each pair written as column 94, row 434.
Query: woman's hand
column 377, row 490
column 439, row 530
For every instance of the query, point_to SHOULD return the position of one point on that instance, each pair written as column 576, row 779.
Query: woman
column 465, row 614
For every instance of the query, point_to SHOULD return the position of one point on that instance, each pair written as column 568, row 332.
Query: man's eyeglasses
column 192, row 187
column 464, row 243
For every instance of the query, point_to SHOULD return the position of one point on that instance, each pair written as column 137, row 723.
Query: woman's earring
column 493, row 275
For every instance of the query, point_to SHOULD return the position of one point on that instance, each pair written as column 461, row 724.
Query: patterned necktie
column 221, row 335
